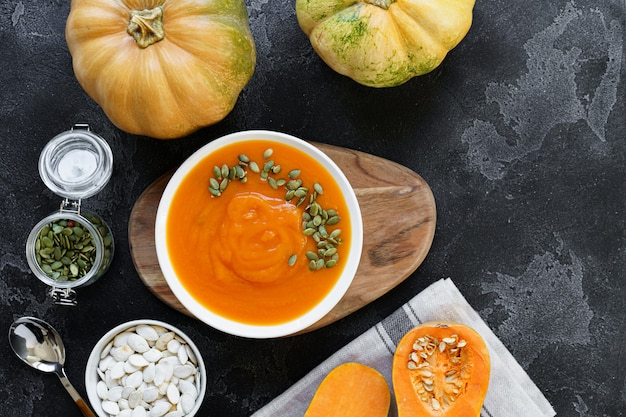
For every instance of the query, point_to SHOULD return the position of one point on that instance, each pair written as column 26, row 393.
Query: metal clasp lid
column 63, row 296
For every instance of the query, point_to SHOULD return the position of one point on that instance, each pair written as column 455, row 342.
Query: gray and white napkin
column 511, row 392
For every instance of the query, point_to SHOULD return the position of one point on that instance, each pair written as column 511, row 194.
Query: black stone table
column 520, row 133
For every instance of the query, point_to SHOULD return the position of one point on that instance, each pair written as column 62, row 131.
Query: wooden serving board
column 399, row 216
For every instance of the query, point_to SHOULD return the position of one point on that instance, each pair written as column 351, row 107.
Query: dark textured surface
column 520, row 133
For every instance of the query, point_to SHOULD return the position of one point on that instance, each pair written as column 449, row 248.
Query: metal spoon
column 39, row 345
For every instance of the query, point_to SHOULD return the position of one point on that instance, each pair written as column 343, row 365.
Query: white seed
column 173, row 346
column 173, row 395
column 127, row 391
column 121, row 339
column 150, row 395
column 134, row 399
column 435, row 404
column 122, row 353
column 139, row 412
column 182, row 355
column 163, row 373
column 153, row 355
column 148, row 373
column 170, row 359
column 187, row 387
column 163, row 387
column 110, row 407
column 106, row 350
column 160, row 409
column 129, row 368
column 115, row 394
column 102, row 390
column 135, row 379
column 138, row 343
column 123, row 403
column 462, row 343
column 138, row 360
column 126, row 413
column 191, row 355
column 175, row 413
column 187, row 403
column 110, row 381
column 183, row 371
column 117, row 371
column 106, row 363
column 147, row 332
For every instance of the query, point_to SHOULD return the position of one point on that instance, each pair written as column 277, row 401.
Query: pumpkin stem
column 385, row 4
column 146, row 26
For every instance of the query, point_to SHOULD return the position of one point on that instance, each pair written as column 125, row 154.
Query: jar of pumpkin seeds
column 72, row 247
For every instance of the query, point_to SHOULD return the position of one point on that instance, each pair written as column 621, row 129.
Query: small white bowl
column 245, row 329
column 92, row 377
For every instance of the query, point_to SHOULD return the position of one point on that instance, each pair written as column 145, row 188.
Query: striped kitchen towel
column 511, row 392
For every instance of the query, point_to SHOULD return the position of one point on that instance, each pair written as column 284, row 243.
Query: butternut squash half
column 351, row 389
column 441, row 369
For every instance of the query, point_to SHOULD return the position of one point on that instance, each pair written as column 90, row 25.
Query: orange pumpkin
column 441, row 369
column 351, row 389
column 161, row 68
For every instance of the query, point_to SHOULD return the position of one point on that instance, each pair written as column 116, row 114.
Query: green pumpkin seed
column 312, row 256
column 268, row 153
column 292, row 260
column 224, row 184
column 254, row 167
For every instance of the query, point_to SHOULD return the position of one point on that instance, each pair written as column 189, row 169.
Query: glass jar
column 72, row 247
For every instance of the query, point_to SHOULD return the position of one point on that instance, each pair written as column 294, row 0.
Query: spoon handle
column 76, row 397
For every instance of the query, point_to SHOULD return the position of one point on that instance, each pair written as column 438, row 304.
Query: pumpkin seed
column 292, row 260
column 239, row 172
column 223, row 184
column 254, row 167
column 268, row 153
column 330, row 263
column 294, row 173
column 268, row 166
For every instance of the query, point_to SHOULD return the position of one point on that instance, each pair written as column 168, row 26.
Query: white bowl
column 245, row 329
column 92, row 376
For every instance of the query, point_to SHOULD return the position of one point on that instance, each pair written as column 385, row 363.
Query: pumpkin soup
column 256, row 232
